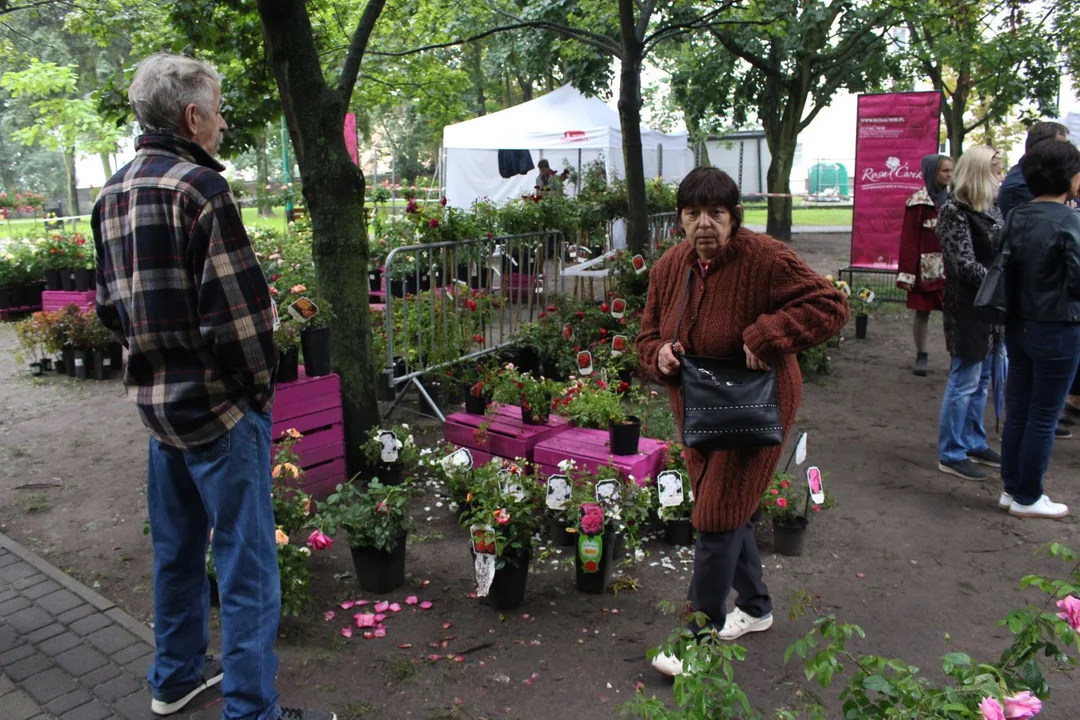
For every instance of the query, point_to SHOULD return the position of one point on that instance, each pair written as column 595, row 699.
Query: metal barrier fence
column 882, row 282
column 452, row 301
column 661, row 228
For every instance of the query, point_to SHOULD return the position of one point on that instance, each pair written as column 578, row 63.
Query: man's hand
column 666, row 360
column 752, row 360
column 904, row 286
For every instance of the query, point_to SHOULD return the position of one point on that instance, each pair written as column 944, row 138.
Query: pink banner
column 894, row 131
column 350, row 137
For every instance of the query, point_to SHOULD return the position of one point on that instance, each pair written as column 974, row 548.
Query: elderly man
column 178, row 283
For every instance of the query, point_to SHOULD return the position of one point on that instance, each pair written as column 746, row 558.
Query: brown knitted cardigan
column 759, row 292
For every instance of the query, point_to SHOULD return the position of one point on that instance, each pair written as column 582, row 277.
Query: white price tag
column 558, row 492
column 670, row 487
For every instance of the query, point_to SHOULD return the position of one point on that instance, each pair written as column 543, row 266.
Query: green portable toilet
column 825, row 176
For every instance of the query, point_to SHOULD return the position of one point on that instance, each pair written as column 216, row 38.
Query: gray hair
column 164, row 85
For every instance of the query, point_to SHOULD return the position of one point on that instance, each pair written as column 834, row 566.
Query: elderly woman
column 969, row 226
column 1042, row 331
column 750, row 296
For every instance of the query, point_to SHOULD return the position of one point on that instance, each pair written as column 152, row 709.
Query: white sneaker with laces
column 739, row 623
column 1044, row 507
column 1005, row 501
column 667, row 665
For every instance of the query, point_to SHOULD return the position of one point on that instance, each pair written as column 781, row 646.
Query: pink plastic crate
column 507, row 436
column 313, row 407
column 589, row 448
column 57, row 299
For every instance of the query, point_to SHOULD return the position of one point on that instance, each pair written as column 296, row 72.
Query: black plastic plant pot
column 289, row 366
column 378, row 571
column 69, row 360
column 476, row 405
column 508, row 586
column 16, row 297
column 116, row 356
column 679, row 533
column 35, row 369
column 397, row 288
column 316, row 346
column 82, row 362
column 860, row 326
column 533, row 417
column 67, row 280
column 52, row 280
column 374, row 281
column 46, row 364
column 32, row 294
column 593, row 574
column 623, row 437
column 560, row 534
column 390, row 473
column 82, row 280
column 100, row 364
column 60, row 366
column 5, row 298
column 789, row 538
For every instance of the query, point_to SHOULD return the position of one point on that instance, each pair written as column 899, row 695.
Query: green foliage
column 501, row 497
column 374, row 517
column 408, row 453
column 591, row 403
column 513, row 387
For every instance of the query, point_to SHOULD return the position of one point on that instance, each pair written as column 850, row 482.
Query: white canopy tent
column 1072, row 121
column 564, row 127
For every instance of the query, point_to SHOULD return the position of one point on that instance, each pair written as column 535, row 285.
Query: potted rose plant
column 861, row 304
column 593, row 403
column 287, row 340
column 391, row 453
column 788, row 503
column 31, row 335
column 597, row 515
column 315, row 340
column 511, row 386
column 377, row 522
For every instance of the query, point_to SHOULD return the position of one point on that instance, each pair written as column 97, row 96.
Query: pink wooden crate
column 590, row 449
column 57, row 299
column 507, row 436
column 313, row 407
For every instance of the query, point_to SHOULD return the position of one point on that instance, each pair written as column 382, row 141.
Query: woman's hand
column 752, row 360
column 666, row 360
column 904, row 286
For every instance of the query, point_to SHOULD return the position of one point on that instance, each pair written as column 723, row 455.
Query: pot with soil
column 289, row 366
column 559, row 531
column 623, row 437
column 35, row 369
column 67, row 280
column 378, row 571
column 16, row 297
column 390, row 473
column 47, row 364
column 82, row 279
column 52, row 280
column 81, row 363
column 374, row 280
column 789, row 538
column 593, row 562
column 508, row 586
column 315, row 343
column 860, row 326
column 100, row 364
column 476, row 403
column 679, row 533
column 68, row 354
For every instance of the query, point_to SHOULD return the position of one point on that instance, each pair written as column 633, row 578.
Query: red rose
column 604, row 308
column 478, row 338
column 580, row 315
column 603, row 332
column 471, row 304
column 543, row 315
column 551, row 308
column 623, row 386
column 433, row 222
column 442, row 201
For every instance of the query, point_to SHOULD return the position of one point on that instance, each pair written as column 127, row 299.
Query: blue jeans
column 224, row 485
column 960, row 427
column 1042, row 363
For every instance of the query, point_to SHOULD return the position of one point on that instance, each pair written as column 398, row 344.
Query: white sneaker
column 1005, row 501
column 739, row 623
column 1044, row 507
column 667, row 665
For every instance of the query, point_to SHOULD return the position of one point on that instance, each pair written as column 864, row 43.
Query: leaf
column 877, row 683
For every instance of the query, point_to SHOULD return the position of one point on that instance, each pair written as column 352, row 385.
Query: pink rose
column 991, row 709
column 1070, row 607
column 318, row 540
column 1022, row 705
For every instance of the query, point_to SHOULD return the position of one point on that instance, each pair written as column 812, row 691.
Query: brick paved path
column 66, row 652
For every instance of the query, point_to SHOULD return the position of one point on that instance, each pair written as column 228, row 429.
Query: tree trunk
column 637, row 216
column 106, row 165
column 334, row 191
column 779, row 182
column 69, row 187
column 955, row 124
column 262, row 172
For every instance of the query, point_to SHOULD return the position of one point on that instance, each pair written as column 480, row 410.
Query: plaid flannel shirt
column 179, row 285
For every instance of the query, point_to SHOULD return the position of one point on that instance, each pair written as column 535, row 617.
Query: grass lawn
column 815, row 216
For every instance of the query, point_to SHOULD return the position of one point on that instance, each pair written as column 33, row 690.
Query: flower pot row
column 26, row 295
column 84, row 363
column 72, row 279
column 315, row 344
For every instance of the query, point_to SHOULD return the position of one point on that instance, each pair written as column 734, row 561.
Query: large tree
column 785, row 71
column 986, row 57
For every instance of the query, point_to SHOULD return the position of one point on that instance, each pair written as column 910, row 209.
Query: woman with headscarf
column 921, row 268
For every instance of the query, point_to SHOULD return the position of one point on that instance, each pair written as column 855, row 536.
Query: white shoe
column 1044, row 507
column 739, row 623
column 667, row 665
column 1005, row 501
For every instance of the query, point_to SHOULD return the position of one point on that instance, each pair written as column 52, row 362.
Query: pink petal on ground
column 381, row 606
column 411, row 600
column 328, row 615
column 459, row 658
column 433, row 657
column 447, row 625
column 369, row 635
column 380, row 632
column 395, row 607
column 380, row 617
column 472, row 596
column 365, row 620
column 347, row 604
column 362, row 603
column 346, row 632
column 426, row 605
column 425, row 583
column 405, row 646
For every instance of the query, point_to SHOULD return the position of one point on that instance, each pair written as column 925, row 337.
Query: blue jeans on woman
column 960, row 428
column 1043, row 358
column 224, row 485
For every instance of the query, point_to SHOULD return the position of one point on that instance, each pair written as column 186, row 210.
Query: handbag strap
column 682, row 306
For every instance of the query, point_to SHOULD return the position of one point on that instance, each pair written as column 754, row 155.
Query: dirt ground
column 924, row 562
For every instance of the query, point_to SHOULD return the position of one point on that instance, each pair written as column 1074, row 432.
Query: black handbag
column 992, row 298
column 726, row 405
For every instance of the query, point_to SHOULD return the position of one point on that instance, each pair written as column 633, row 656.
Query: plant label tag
column 78, row 362
column 817, row 490
column 584, row 362
column 639, row 264
column 670, row 487
column 511, row 488
column 558, row 492
column 618, row 308
column 572, row 252
column 483, row 539
column 618, row 345
column 274, row 314
column 800, row 449
column 389, row 446
column 106, row 362
column 568, row 331
column 303, row 310
column 607, row 493
column 461, row 458
column 867, row 295
column 485, row 553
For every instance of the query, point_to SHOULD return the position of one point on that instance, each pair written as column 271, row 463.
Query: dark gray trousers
column 726, row 560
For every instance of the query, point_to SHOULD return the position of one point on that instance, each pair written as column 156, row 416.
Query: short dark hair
column 1043, row 131
column 543, row 164
column 709, row 187
column 1050, row 166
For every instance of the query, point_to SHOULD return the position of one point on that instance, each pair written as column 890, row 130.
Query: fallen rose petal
column 459, row 658
column 328, row 615
column 346, row 632
column 381, row 606
column 447, row 625
column 380, row 617
column 472, row 596
column 369, row 635
column 433, row 657
column 412, row 600
column 524, row 616
column 365, row 620
column 347, row 604
column 380, row 632
column 361, row 603
column 425, row 583
column 394, row 607
column 426, row 605
column 405, row 646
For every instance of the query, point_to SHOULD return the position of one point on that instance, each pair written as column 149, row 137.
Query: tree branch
column 480, row 36
column 705, row 21
column 601, row 42
column 735, row 49
column 347, row 80
column 6, row 7
column 645, row 14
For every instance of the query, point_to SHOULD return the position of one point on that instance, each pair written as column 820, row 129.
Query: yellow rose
column 281, row 538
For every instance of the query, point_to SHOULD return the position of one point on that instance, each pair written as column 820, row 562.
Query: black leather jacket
column 1044, row 263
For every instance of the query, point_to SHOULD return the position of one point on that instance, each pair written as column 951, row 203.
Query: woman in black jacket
column 1042, row 334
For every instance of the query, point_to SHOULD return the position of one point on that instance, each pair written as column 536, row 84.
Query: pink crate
column 507, row 436
column 57, row 299
column 313, row 407
column 590, row 449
